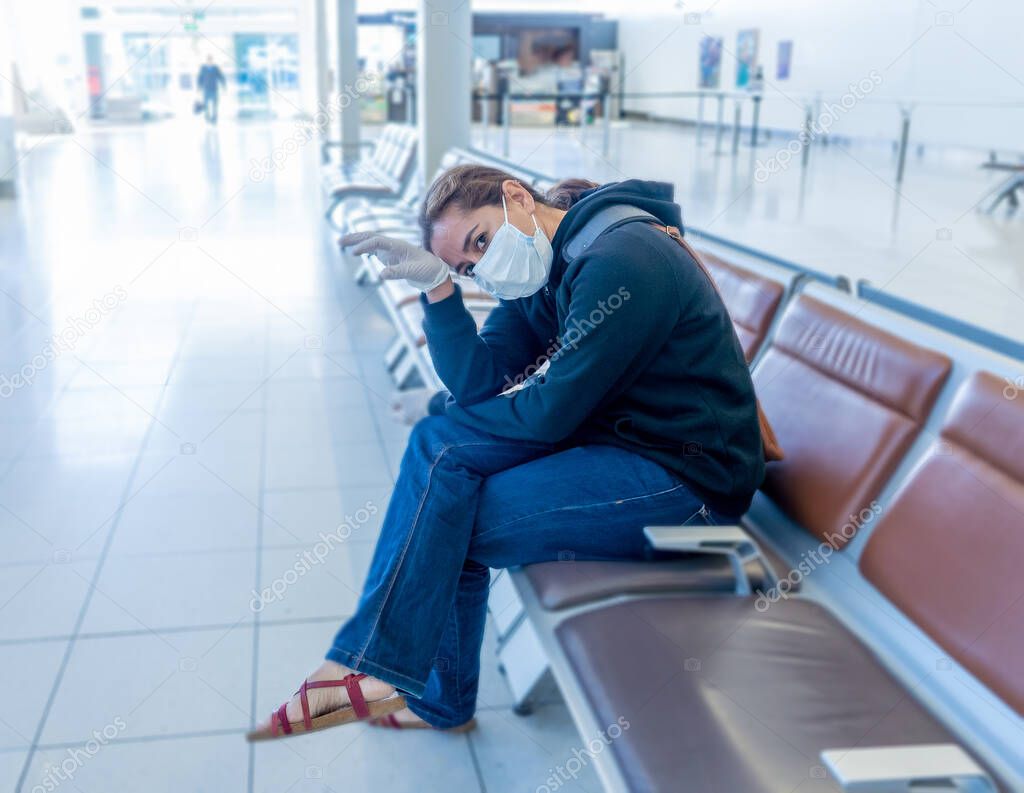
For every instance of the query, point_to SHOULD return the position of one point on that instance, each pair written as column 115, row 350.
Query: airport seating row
column 899, row 509
column 865, row 623
column 387, row 170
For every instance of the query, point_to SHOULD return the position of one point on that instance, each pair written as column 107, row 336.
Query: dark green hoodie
column 643, row 355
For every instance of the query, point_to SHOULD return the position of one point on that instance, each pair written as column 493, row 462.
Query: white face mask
column 514, row 264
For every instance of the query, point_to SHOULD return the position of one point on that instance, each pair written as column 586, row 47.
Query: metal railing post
column 485, row 113
column 506, row 122
column 808, row 122
column 737, row 117
column 583, row 116
column 410, row 104
column 700, row 117
column 756, row 119
column 721, row 124
column 904, row 140
column 606, row 111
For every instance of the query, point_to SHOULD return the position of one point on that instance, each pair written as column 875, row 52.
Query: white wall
column 308, row 85
column 976, row 59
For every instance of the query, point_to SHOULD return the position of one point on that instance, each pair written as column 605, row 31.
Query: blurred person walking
column 210, row 81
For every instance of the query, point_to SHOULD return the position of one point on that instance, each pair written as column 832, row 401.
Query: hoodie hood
column 653, row 197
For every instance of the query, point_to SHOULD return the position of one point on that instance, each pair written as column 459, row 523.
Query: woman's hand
column 401, row 259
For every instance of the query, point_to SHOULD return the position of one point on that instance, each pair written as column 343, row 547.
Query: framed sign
column 785, row 60
column 747, row 42
column 710, row 62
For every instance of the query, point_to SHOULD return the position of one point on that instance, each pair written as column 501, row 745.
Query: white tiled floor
column 204, row 764
column 11, row 763
column 29, row 671
column 232, row 406
column 157, row 683
column 197, row 438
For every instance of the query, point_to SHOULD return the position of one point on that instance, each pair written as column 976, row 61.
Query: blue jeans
column 464, row 502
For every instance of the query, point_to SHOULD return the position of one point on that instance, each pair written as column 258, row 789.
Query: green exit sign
column 191, row 20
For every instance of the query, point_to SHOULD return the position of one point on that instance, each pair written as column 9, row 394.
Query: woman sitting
column 645, row 414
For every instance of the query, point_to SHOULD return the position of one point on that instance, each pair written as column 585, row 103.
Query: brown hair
column 567, row 192
column 470, row 186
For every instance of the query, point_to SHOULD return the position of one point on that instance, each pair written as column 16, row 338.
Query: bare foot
column 325, row 700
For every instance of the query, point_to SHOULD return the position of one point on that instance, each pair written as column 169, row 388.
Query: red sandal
column 358, row 709
column 390, row 722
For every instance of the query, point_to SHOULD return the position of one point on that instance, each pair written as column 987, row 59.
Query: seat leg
column 1008, row 193
column 404, row 371
column 523, row 709
column 364, row 273
column 1012, row 196
column 524, row 664
column 394, row 353
column 329, row 214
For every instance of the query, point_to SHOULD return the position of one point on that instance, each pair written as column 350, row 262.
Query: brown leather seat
column 846, row 400
column 720, row 697
column 750, row 298
column 950, row 549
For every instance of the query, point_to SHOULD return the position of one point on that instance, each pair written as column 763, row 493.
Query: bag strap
column 606, row 219
column 617, row 215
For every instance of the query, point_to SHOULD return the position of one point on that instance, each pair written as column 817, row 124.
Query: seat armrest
column 730, row 541
column 337, row 144
column 938, row 766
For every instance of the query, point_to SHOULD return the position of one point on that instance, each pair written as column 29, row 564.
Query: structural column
column 348, row 75
column 8, row 154
column 443, row 79
column 309, row 36
column 323, row 88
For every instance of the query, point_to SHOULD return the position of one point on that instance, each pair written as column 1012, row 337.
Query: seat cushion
column 342, row 188
column 360, row 178
column 390, row 218
column 949, row 550
column 559, row 585
column 712, row 694
column 846, row 400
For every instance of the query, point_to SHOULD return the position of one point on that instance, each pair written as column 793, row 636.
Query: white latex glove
column 401, row 259
column 408, row 407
